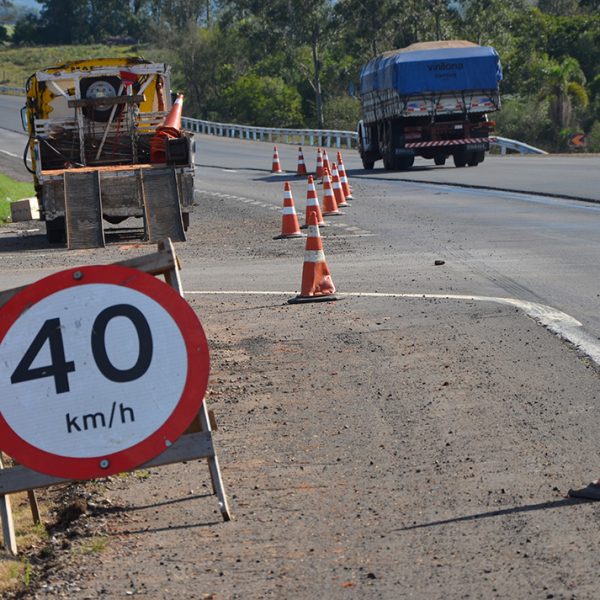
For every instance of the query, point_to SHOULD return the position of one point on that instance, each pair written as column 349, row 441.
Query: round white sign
column 97, row 370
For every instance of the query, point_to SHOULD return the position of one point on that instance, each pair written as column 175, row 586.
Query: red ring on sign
column 192, row 396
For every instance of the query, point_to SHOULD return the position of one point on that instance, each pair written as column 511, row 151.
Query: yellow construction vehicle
column 91, row 127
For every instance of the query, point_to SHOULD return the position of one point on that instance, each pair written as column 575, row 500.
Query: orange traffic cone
column 317, row 285
column 344, row 181
column 337, row 188
column 170, row 129
column 301, row 170
column 276, row 167
column 319, row 170
column 326, row 164
column 312, row 204
column 290, row 228
column 330, row 207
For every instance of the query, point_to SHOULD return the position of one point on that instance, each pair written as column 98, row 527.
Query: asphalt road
column 531, row 247
column 382, row 446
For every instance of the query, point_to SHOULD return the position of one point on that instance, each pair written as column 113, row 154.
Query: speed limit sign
column 101, row 369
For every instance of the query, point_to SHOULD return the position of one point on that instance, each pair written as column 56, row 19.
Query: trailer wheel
column 439, row 160
column 55, row 231
column 473, row 161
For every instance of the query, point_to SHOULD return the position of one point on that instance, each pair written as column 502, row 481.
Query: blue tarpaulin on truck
column 433, row 71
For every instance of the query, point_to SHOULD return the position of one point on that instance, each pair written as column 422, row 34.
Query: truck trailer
column 93, row 145
column 430, row 99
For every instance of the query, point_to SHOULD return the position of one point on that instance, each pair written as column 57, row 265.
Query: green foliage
column 342, row 112
column 305, row 56
column 593, row 139
column 263, row 100
column 525, row 118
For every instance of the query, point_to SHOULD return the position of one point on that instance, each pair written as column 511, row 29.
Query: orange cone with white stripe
column 290, row 228
column 337, row 187
column 276, row 167
column 319, row 170
column 344, row 179
column 317, row 285
column 312, row 204
column 301, row 169
column 326, row 163
column 330, row 207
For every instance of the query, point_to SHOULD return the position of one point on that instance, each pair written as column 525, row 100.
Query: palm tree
column 563, row 82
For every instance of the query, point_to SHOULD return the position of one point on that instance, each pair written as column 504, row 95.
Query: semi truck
column 92, row 128
column 430, row 99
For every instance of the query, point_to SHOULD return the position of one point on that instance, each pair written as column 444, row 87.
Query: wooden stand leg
column 8, row 527
column 215, row 471
column 35, row 509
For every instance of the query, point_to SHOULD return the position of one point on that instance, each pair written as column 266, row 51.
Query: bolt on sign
column 102, row 368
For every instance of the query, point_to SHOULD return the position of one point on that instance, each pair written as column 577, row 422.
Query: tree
column 489, row 22
column 27, row 30
column 287, row 25
column 66, row 21
column 563, row 84
column 559, row 7
column 265, row 101
column 367, row 25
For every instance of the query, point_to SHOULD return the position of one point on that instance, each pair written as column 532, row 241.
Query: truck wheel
column 473, row 161
column 388, row 162
column 185, row 217
column 368, row 164
column 460, row 159
column 405, row 162
column 55, row 231
column 440, row 161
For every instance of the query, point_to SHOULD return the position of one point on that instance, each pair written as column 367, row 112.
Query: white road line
column 9, row 153
column 345, row 237
column 358, row 232
column 563, row 325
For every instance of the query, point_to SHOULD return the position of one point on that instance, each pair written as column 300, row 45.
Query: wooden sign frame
column 196, row 443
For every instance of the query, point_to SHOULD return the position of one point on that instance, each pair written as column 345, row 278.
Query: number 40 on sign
column 102, row 368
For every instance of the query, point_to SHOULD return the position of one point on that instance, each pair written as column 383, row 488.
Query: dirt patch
column 370, row 449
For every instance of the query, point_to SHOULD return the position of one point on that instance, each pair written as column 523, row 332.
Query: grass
column 12, row 190
column 15, row 571
column 94, row 545
column 18, row 63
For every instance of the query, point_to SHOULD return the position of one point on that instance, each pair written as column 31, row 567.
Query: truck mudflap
column 472, row 144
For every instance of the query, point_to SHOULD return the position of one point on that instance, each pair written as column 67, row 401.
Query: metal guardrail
column 12, row 91
column 311, row 137
column 314, row 137
column 506, row 144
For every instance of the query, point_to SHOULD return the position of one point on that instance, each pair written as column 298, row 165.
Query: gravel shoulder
column 371, row 448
